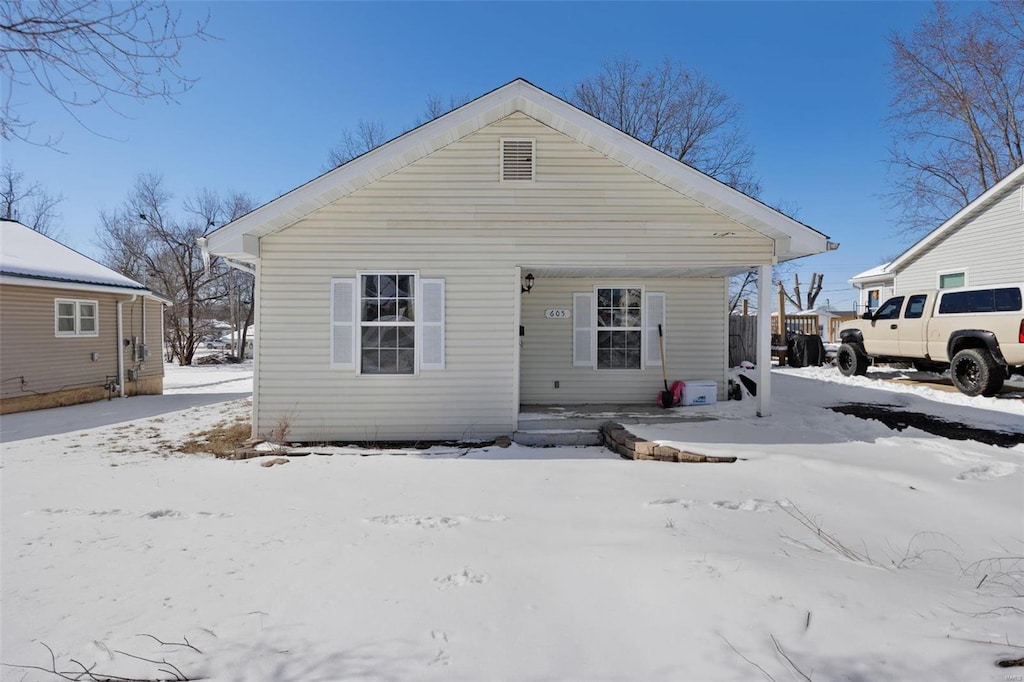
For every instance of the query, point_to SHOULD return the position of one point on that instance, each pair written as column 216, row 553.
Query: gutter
column 204, row 248
column 120, row 344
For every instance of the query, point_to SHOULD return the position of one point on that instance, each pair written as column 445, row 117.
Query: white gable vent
column 517, row 159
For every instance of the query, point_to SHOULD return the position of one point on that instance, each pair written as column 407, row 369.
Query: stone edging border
column 621, row 441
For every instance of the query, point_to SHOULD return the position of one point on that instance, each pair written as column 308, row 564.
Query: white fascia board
column 79, row 286
column 1009, row 183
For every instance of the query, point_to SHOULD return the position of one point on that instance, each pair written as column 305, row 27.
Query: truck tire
column 974, row 372
column 851, row 361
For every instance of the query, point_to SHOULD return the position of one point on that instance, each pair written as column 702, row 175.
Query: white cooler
column 700, row 393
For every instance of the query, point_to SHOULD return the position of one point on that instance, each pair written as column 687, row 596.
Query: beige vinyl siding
column 29, row 349
column 694, row 345
column 449, row 216
column 989, row 248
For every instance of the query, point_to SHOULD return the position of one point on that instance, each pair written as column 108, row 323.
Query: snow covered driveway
column 858, row 552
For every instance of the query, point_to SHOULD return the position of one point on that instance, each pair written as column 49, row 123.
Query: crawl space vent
column 517, row 159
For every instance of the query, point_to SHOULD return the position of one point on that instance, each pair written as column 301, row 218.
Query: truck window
column 915, row 306
column 981, row 301
column 890, row 310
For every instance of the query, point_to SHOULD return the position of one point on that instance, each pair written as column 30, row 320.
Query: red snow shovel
column 667, row 398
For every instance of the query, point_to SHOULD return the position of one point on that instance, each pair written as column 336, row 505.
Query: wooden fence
column 743, row 333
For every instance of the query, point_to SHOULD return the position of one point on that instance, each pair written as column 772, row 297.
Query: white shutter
column 432, row 324
column 343, row 323
column 582, row 330
column 654, row 316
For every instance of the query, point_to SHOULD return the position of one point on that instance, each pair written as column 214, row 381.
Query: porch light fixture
column 529, row 283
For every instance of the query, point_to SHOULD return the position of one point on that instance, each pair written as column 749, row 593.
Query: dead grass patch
column 222, row 440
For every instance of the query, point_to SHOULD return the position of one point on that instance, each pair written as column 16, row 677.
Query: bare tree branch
column 83, row 53
column 956, row 112
column 676, row 110
column 28, row 203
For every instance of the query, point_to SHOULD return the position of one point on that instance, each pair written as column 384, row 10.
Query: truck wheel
column 974, row 372
column 851, row 361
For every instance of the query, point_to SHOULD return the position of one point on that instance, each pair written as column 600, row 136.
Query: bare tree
column 676, row 110
column 957, row 109
column 86, row 52
column 813, row 290
column 367, row 135
column 436, row 105
column 28, row 203
column 144, row 240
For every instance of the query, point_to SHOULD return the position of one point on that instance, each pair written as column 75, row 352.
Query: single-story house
column 982, row 244
column 513, row 251
column 71, row 330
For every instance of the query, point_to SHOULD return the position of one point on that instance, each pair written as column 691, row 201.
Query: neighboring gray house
column 982, row 244
column 71, row 330
column 513, row 251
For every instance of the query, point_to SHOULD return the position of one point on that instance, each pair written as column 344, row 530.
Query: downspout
column 120, row 342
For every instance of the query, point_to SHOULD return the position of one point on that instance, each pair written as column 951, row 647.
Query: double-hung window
column 619, row 327
column 73, row 317
column 387, row 324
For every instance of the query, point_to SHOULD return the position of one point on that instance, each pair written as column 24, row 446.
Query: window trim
column 642, row 328
column 77, row 302
column 958, row 271
column 417, row 323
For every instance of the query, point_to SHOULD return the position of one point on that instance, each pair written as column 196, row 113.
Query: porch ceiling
column 634, row 271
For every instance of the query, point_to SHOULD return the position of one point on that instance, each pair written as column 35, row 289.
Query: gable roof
column 877, row 273
column 30, row 258
column 990, row 196
column 239, row 238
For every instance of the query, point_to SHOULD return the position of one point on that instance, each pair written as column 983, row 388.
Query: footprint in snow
column 460, row 579
column 432, row 522
column 754, row 505
column 986, row 472
column 685, row 504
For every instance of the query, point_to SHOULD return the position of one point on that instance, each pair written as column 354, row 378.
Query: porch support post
column 764, row 340
column 516, row 321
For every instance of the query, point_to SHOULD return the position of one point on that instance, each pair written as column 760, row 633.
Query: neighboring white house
column 513, row 251
column 982, row 244
column 875, row 285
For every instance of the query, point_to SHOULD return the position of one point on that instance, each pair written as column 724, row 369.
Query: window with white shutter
column 518, row 159
column 617, row 328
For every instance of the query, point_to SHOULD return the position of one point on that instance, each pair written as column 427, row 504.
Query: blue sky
column 284, row 80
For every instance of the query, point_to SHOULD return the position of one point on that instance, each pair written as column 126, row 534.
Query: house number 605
column 557, row 314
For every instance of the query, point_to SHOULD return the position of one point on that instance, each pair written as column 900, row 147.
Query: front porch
column 555, row 425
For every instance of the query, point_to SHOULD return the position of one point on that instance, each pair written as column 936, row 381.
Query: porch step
column 547, row 437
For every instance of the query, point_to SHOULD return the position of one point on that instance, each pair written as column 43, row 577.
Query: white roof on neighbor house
column 239, row 239
column 877, row 272
column 35, row 258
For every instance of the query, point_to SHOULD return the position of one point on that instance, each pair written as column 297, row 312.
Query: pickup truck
column 976, row 333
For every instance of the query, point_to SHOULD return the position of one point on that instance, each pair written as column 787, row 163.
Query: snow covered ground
column 835, row 548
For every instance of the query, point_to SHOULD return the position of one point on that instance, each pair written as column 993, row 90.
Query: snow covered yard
column 518, row 563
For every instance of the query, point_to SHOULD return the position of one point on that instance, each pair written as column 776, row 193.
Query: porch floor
column 545, row 425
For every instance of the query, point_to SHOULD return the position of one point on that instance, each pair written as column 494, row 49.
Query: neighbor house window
column 73, row 317
column 950, row 280
column 619, row 328
column 387, row 324
column 872, row 299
